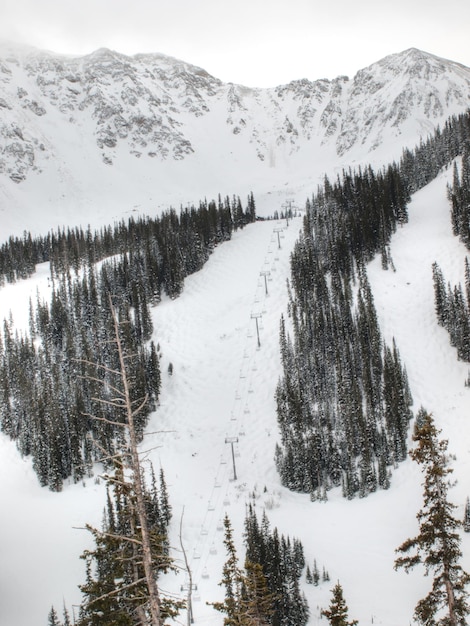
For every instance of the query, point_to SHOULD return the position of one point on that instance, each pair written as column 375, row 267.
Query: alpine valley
column 285, row 274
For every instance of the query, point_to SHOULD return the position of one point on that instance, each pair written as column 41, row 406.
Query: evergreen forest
column 50, row 377
column 343, row 401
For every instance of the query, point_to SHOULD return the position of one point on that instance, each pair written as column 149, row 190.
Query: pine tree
column 248, row 598
column 164, row 500
column 315, row 573
column 53, row 619
column 257, row 605
column 232, row 579
column 308, row 576
column 440, row 295
column 466, row 519
column 66, row 621
column 437, row 546
column 337, row 613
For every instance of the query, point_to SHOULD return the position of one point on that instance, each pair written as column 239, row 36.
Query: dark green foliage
column 50, row 382
column 115, row 588
column 453, row 304
column 466, row 519
column 315, row 574
column 45, row 403
column 312, row 576
column 343, row 403
column 437, row 545
column 337, row 613
column 459, row 196
column 420, row 166
column 53, row 619
column 232, row 579
column 248, row 601
column 453, row 310
column 282, row 562
column 168, row 247
column 440, row 295
column 308, row 576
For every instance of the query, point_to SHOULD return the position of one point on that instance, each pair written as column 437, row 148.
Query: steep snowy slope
column 91, row 139
column 222, row 387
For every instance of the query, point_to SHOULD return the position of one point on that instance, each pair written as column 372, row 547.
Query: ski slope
column 222, row 391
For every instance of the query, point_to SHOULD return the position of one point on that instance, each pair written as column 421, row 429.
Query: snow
column 222, row 387
column 278, row 142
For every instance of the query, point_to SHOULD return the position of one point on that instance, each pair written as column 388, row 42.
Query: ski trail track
column 222, row 390
column 223, row 386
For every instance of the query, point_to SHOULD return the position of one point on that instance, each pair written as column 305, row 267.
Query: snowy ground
column 223, row 387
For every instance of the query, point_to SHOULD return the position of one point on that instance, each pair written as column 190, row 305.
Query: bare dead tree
column 138, row 484
column 189, row 604
column 121, row 401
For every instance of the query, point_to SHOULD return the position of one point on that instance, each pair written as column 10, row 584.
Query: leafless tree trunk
column 189, row 604
column 137, row 479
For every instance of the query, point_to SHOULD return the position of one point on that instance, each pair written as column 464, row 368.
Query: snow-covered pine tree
column 437, row 545
column 466, row 519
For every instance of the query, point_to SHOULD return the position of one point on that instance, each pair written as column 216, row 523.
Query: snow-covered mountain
column 156, row 130
column 89, row 140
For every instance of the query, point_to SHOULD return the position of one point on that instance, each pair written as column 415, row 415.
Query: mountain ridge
column 74, row 128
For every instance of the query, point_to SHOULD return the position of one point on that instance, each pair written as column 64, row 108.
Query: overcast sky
column 259, row 43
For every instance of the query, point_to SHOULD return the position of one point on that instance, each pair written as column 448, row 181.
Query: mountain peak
column 154, row 118
column 416, row 62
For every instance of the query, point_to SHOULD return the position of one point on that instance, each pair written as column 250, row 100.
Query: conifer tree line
column 46, row 382
column 420, row 166
column 459, row 196
column 52, row 377
column 266, row 591
column 171, row 244
column 452, row 305
column 343, row 401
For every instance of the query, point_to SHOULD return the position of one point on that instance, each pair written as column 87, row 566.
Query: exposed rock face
column 150, row 106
